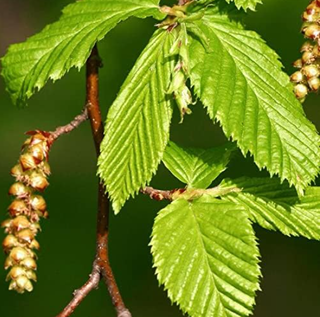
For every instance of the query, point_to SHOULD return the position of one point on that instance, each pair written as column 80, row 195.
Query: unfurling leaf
column 206, row 257
column 197, row 168
column 138, row 122
column 178, row 87
column 239, row 80
column 66, row 43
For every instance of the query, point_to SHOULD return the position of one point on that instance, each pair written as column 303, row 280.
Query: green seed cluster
column 307, row 79
column 25, row 212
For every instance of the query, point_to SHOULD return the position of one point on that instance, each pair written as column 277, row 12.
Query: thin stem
column 81, row 294
column 101, row 267
column 189, row 194
column 75, row 123
column 157, row 194
column 183, row 2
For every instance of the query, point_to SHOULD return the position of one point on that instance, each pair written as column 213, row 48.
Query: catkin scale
column 309, row 63
column 25, row 211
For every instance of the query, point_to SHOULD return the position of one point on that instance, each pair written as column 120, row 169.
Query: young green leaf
column 197, row 168
column 275, row 206
column 244, row 4
column 138, row 122
column 239, row 80
column 206, row 256
column 66, row 43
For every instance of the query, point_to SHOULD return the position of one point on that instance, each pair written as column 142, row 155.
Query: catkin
column 306, row 79
column 25, row 211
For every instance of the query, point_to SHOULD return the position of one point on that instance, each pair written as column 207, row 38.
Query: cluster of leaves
column 204, row 247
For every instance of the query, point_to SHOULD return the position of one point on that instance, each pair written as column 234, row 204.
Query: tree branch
column 81, row 294
column 158, row 194
column 70, row 126
column 189, row 194
column 183, row 2
column 101, row 266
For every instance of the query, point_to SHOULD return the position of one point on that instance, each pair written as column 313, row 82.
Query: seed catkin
column 25, row 211
column 306, row 79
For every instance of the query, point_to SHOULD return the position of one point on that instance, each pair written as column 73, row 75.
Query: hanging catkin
column 306, row 79
column 25, row 211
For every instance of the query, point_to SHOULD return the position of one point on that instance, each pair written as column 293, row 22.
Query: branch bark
column 189, row 194
column 183, row 2
column 81, row 294
column 75, row 123
column 158, row 194
column 101, row 266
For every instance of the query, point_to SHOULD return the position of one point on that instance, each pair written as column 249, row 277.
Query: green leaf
column 239, row 80
column 206, row 256
column 246, row 4
column 66, row 43
column 275, row 206
column 197, row 168
column 138, row 123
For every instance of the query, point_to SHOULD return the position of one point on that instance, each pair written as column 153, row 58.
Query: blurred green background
column 291, row 267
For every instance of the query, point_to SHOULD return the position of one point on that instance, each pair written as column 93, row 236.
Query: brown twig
column 70, row 126
column 189, row 194
column 183, row 2
column 101, row 266
column 81, row 293
column 158, row 194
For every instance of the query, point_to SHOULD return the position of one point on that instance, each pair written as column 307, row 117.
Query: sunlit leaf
column 206, row 256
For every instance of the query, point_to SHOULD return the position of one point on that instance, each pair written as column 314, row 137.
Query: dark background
column 291, row 267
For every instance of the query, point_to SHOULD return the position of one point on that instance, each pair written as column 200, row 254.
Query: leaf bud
column 29, row 263
column 17, row 207
column 178, row 82
column 28, row 162
column 297, row 77
column 38, row 181
column 184, row 99
column 308, row 58
column 25, row 235
column 38, row 203
column 9, row 242
column 298, row 63
column 19, row 254
column 300, row 91
column 20, row 223
column 19, row 190
column 314, row 83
